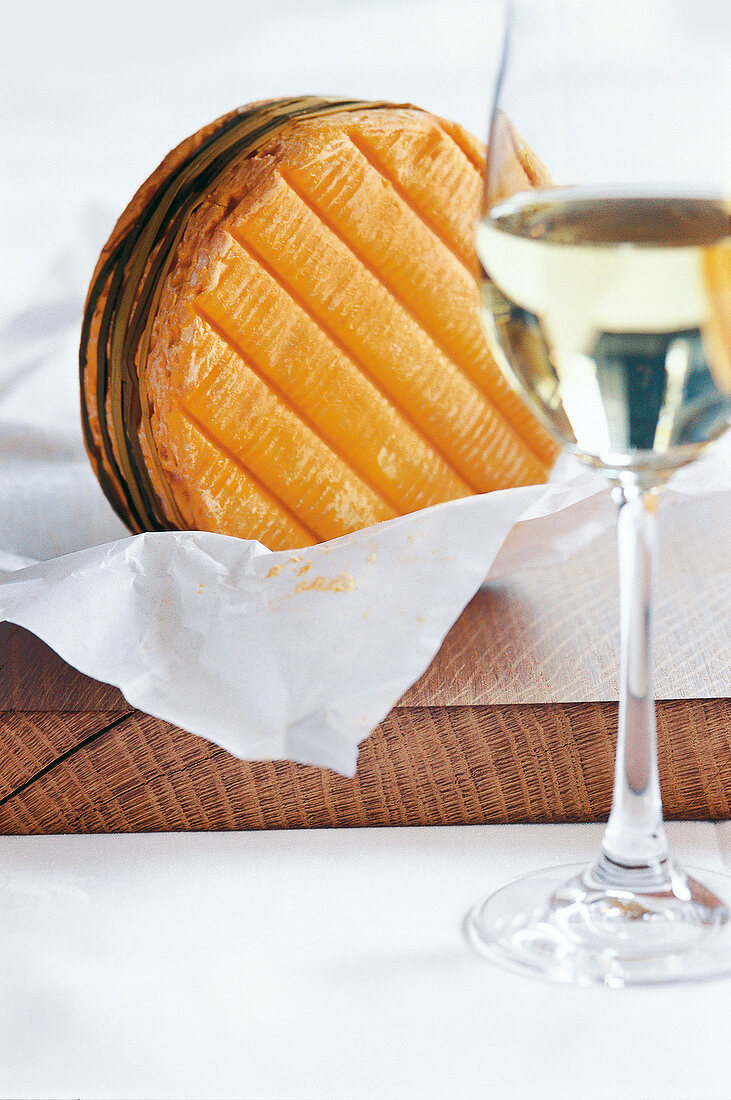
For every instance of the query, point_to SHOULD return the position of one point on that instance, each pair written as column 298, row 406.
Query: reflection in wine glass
column 607, row 299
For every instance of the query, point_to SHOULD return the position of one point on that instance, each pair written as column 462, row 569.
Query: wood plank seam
column 65, row 756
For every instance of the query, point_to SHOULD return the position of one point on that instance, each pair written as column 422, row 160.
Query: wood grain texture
column 34, row 678
column 423, row 766
column 459, row 748
column 30, row 742
column 553, row 632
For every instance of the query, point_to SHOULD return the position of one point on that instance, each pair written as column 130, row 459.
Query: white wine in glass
column 607, row 298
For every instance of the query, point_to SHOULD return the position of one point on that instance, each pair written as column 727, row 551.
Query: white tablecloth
column 320, row 964
column 306, row 964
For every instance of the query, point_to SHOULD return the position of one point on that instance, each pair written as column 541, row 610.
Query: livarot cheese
column 282, row 339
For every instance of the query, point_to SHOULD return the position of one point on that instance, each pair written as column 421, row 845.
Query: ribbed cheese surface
column 316, row 362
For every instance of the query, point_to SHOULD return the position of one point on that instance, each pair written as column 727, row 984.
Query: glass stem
column 634, row 853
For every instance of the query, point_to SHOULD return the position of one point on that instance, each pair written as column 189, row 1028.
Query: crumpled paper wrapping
column 271, row 655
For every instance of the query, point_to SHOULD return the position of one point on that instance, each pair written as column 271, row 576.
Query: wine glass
column 606, row 250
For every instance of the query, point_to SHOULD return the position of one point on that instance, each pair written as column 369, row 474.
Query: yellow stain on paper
column 344, row 582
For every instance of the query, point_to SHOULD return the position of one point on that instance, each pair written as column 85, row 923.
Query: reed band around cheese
column 282, row 339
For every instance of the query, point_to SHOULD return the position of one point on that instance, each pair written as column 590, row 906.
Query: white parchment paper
column 271, row 655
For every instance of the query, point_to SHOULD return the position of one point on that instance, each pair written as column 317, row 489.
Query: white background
column 321, row 965
column 311, row 964
column 94, row 94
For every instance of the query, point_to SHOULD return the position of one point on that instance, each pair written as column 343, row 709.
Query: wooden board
column 75, row 757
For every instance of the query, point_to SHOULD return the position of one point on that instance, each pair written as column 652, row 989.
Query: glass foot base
column 563, row 925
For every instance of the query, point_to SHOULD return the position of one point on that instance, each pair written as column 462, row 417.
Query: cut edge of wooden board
column 422, row 766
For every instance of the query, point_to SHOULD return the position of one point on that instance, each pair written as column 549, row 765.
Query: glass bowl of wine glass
column 605, row 246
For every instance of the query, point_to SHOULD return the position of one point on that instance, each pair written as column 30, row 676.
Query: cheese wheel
column 282, row 338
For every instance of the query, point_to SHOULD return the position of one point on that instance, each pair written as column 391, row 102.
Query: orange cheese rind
column 282, row 337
